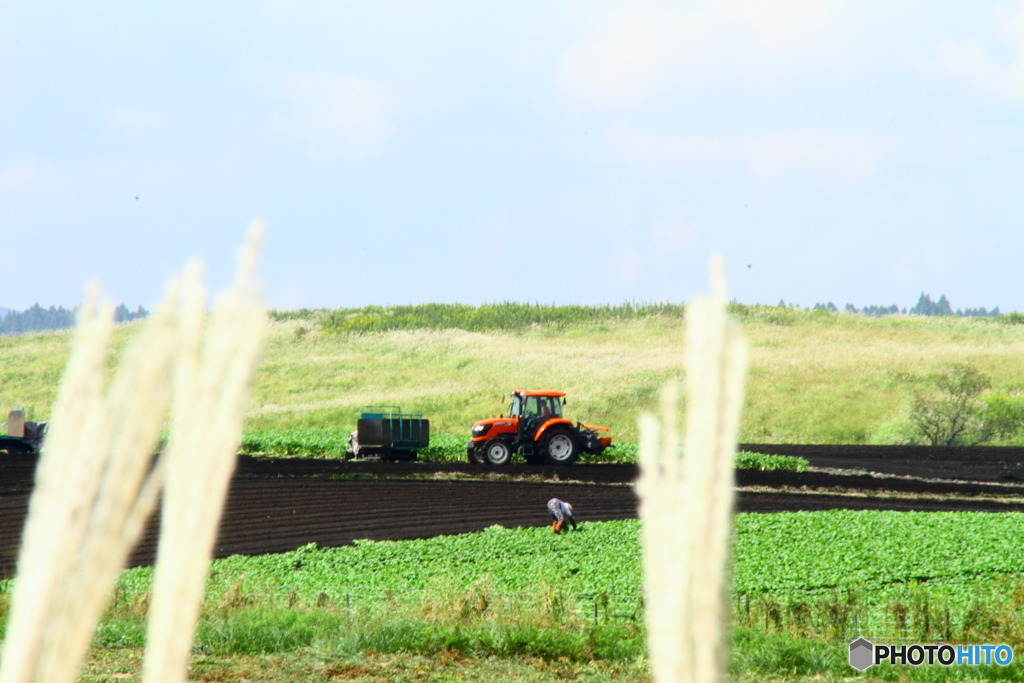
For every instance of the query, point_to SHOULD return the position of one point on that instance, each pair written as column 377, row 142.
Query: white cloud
column 628, row 269
column 974, row 64
column 674, row 233
column 617, row 68
column 780, row 26
column 336, row 112
column 842, row 156
column 17, row 179
column 645, row 49
column 131, row 121
column 839, row 156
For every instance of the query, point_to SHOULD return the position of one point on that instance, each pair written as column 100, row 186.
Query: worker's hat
column 569, row 505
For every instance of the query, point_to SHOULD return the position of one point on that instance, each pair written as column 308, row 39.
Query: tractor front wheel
column 559, row 447
column 497, row 452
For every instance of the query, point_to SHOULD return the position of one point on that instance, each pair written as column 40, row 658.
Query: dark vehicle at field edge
column 31, row 440
column 386, row 433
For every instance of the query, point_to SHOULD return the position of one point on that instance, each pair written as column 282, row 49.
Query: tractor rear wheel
column 497, row 452
column 560, row 447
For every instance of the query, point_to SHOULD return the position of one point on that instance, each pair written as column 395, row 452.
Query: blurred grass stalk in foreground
column 686, row 497
column 97, row 481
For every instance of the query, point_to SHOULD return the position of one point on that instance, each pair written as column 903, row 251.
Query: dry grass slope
column 814, row 378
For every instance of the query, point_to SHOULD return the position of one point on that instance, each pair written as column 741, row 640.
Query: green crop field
column 802, row 582
column 526, row 604
column 814, row 377
column 868, row 561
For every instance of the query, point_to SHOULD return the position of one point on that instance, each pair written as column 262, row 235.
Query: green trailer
column 386, row 433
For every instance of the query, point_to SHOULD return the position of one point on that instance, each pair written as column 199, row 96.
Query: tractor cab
column 532, row 409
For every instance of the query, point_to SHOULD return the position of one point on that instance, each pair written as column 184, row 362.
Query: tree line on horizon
column 924, row 306
column 39, row 319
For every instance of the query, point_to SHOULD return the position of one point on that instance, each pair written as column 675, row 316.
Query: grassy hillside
column 814, row 378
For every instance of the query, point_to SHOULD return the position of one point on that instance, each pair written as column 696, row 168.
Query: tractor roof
column 540, row 393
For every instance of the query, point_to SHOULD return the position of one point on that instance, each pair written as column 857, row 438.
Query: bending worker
column 561, row 512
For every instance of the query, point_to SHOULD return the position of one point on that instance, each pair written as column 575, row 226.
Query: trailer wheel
column 497, row 452
column 559, row 447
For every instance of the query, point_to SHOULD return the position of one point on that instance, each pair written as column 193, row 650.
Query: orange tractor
column 535, row 429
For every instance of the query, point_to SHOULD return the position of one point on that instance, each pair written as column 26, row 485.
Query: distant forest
column 39, row 319
column 925, row 306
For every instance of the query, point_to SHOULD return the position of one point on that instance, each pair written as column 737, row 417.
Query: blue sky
column 576, row 152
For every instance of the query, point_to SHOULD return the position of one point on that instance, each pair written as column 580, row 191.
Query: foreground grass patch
column 327, row 667
column 754, row 656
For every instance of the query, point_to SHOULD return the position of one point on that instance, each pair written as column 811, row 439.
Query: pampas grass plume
column 686, row 497
column 98, row 480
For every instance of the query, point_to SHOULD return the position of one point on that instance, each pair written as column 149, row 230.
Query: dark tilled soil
column 277, row 515
column 277, row 505
column 979, row 463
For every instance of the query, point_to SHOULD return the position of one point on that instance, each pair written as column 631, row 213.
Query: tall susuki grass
column 97, row 479
column 686, row 490
column 506, row 316
column 510, row 316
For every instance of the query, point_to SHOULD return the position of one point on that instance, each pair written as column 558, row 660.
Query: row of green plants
column 333, row 443
column 511, row 316
column 766, row 462
column 324, row 443
column 804, row 573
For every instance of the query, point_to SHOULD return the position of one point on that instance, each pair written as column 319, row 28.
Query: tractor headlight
column 480, row 430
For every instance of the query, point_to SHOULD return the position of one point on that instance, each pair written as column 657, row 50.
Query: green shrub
column 623, row 452
column 1004, row 414
column 954, row 414
column 1012, row 318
